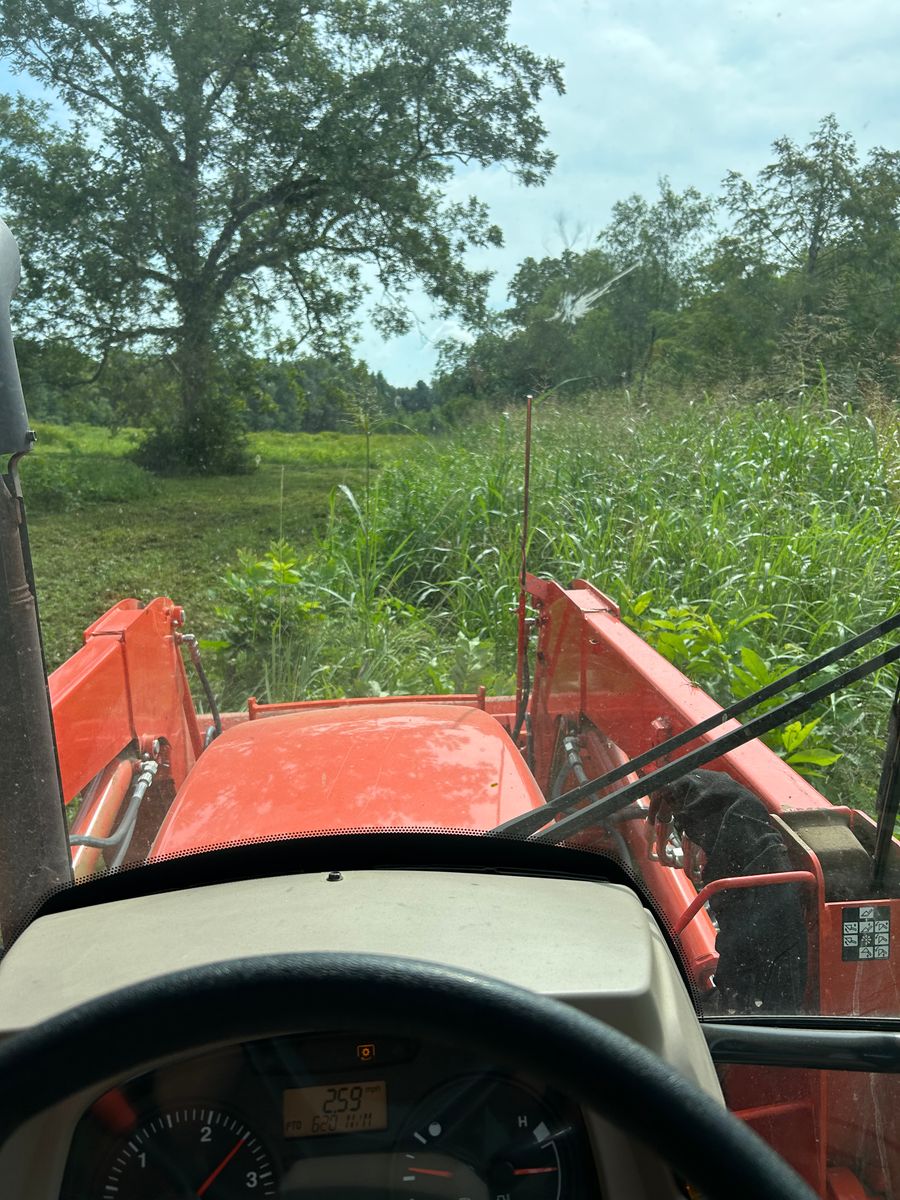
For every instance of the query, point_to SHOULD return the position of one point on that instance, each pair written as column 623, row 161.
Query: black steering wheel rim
column 250, row 998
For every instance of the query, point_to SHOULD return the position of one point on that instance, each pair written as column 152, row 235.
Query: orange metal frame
column 126, row 689
column 594, row 671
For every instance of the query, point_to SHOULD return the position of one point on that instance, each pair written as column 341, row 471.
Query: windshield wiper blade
column 531, row 821
column 603, row 808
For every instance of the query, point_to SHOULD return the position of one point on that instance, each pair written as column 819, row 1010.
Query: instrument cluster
column 331, row 1116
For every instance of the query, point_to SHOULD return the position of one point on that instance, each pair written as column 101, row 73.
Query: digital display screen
column 336, row 1108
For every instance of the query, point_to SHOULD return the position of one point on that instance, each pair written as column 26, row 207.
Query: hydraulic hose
column 574, row 766
column 189, row 640
column 601, row 809
column 775, row 688
column 120, row 840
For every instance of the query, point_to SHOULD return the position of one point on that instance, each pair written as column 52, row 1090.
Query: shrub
column 58, row 483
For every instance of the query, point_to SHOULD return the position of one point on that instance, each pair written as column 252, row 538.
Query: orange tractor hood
column 437, row 766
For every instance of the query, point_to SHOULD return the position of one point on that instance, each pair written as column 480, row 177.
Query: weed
column 741, row 539
column 58, row 484
column 754, row 535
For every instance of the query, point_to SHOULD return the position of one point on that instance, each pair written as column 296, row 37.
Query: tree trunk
column 208, row 437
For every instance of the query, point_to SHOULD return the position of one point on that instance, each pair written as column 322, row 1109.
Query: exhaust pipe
column 34, row 844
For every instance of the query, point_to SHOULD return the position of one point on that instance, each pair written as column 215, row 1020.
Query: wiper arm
column 888, row 803
column 664, row 749
column 573, row 822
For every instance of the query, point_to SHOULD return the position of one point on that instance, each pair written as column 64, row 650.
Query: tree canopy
column 782, row 276
column 221, row 163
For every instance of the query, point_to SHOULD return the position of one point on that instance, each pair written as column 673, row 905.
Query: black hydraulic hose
column 559, row 779
column 574, row 765
column 526, row 695
column 601, row 810
column 194, row 650
column 888, row 625
column 121, row 839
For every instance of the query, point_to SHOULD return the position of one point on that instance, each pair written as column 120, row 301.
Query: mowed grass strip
column 102, row 530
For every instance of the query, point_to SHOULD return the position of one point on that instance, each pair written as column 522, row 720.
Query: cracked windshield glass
column 470, row 417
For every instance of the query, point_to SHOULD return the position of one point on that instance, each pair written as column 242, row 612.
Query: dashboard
column 315, row 1114
column 326, row 1116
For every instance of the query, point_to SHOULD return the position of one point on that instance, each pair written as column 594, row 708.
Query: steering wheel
column 123, row 1032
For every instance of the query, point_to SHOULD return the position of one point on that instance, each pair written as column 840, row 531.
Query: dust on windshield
column 288, row 276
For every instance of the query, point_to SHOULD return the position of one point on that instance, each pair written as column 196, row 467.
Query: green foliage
column 216, row 163
column 717, row 656
column 177, row 535
column 264, row 599
column 284, row 631
column 80, row 439
column 58, row 484
column 202, row 447
column 796, row 745
column 740, row 539
column 689, row 637
column 793, row 276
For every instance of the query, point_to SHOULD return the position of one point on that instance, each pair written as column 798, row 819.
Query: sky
column 685, row 88
column 689, row 89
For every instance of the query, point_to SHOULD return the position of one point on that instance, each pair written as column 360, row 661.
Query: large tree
column 667, row 239
column 221, row 162
column 796, row 213
column 829, row 227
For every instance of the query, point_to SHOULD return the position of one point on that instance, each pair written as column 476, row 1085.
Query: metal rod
column 522, row 682
column 736, row 883
column 34, row 846
column 601, row 809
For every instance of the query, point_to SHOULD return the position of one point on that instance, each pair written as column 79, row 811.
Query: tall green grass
column 731, row 534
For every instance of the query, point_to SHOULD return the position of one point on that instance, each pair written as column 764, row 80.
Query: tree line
column 211, row 173
column 779, row 278
column 289, row 394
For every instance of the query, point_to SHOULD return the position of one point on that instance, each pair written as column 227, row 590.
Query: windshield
column 288, row 276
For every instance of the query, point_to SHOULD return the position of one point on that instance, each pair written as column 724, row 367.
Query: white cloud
column 684, row 88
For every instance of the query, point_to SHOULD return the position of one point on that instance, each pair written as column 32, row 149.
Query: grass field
column 739, row 539
column 101, row 529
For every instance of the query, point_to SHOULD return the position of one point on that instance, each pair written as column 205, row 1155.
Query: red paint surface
column 126, row 684
column 870, row 988
column 393, row 765
column 738, row 883
column 592, row 663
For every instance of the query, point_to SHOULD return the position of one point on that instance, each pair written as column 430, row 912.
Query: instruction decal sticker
column 866, row 932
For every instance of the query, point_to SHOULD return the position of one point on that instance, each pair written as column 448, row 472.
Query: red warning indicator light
column 366, row 1052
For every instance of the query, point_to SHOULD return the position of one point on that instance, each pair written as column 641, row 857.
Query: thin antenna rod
column 522, row 683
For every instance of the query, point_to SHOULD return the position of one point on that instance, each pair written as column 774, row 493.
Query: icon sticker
column 865, row 932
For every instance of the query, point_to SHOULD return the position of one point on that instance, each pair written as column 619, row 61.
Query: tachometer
column 482, row 1136
column 190, row 1152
